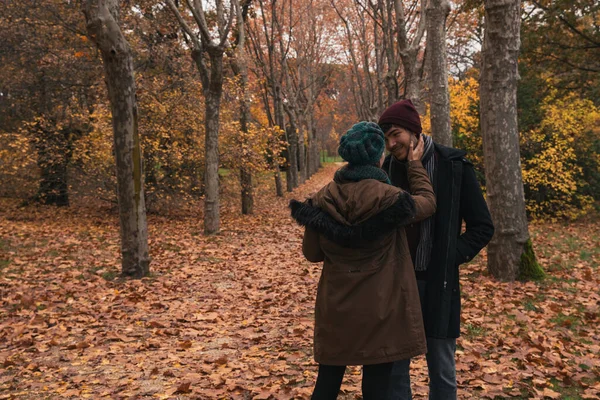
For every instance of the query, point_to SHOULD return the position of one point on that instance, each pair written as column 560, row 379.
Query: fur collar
column 399, row 214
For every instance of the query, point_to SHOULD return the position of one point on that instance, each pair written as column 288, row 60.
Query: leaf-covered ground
column 230, row 316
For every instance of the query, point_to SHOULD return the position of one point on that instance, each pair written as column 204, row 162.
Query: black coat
column 459, row 198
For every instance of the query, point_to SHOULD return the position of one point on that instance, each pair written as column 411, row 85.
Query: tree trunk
column 245, row 174
column 313, row 164
column 303, row 170
column 240, row 69
column 437, row 12
column 292, row 171
column 296, row 138
column 278, row 183
column 212, row 86
column 498, row 102
column 409, row 51
column 102, row 18
column 315, row 150
column 247, row 191
column 412, row 87
column 212, row 221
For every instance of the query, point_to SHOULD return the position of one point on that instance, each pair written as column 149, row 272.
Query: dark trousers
column 375, row 381
column 440, row 364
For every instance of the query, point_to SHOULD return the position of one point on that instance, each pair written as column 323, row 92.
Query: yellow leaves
column 553, row 174
column 556, row 155
column 464, row 115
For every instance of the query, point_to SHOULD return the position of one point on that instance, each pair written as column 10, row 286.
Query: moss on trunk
column 529, row 268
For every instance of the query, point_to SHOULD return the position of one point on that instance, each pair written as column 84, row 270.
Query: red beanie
column 403, row 114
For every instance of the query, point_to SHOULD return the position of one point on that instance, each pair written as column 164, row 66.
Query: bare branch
column 232, row 16
column 200, row 21
column 421, row 29
column 220, row 18
column 568, row 24
column 200, row 18
column 184, row 26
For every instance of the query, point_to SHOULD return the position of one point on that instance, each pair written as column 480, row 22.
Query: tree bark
column 102, row 18
column 247, row 190
column 437, row 12
column 240, row 69
column 498, row 102
column 314, row 159
column 291, row 173
column 409, row 51
column 278, row 182
column 296, row 136
column 302, row 158
column 212, row 220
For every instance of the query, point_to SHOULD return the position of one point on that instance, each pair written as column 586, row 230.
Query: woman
column 367, row 310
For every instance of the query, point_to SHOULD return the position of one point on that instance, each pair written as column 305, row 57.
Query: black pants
column 375, row 381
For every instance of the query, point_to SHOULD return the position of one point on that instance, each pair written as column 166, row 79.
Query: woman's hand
column 415, row 153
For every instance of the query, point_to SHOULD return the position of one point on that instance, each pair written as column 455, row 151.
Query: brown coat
column 367, row 309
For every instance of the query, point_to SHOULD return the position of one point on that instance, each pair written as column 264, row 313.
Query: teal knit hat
column 363, row 144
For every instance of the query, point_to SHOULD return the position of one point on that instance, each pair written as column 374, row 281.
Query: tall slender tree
column 240, row 70
column 437, row 13
column 103, row 28
column 409, row 49
column 510, row 251
column 205, row 47
column 262, row 33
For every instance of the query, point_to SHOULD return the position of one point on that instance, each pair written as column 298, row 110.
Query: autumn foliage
column 231, row 316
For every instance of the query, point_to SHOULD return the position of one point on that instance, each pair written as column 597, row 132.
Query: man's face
column 397, row 142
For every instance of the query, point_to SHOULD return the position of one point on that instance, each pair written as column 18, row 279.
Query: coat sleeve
column 421, row 191
column 474, row 211
column 311, row 248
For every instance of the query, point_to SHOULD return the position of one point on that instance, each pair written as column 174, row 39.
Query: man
column 436, row 244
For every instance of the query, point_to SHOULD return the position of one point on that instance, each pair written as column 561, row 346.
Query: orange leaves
column 183, row 388
column 231, row 316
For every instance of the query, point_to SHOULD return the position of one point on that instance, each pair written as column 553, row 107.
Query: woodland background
column 229, row 316
column 55, row 135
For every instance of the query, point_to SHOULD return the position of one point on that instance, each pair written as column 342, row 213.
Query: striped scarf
column 423, row 256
